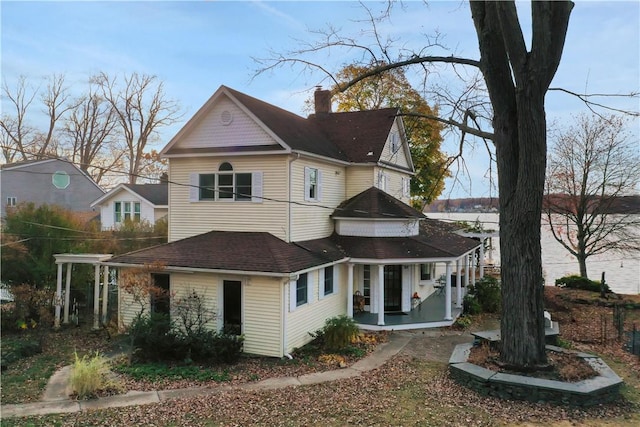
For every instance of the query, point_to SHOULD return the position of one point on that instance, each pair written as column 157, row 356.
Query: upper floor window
column 11, row 201
column 126, row 211
column 395, row 142
column 312, row 184
column 406, row 186
column 60, row 180
column 382, row 181
column 226, row 185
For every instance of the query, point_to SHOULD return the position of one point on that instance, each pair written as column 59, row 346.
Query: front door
column 232, row 306
column 392, row 288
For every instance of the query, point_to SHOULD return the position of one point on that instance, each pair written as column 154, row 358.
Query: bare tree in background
column 20, row 139
column 16, row 133
column 141, row 108
column 517, row 79
column 90, row 129
column 592, row 165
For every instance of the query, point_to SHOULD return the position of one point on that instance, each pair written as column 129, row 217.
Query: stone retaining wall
column 603, row 388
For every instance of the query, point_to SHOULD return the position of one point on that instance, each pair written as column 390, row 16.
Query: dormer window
column 395, row 142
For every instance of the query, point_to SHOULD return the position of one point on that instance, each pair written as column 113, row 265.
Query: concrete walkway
column 56, row 397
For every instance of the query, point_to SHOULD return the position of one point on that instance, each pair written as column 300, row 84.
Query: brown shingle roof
column 263, row 252
column 230, row 250
column 357, row 137
column 375, row 203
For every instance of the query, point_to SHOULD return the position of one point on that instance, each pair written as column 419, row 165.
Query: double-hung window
column 126, row 211
column 302, row 290
column 207, row 186
column 312, row 184
column 328, row 280
column 426, row 271
column 226, row 185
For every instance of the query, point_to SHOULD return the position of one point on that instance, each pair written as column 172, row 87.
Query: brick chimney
column 322, row 99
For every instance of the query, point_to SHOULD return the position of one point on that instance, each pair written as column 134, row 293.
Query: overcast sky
column 195, row 47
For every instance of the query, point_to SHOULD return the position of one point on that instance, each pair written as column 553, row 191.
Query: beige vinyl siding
column 394, row 183
column 212, row 132
column 359, row 178
column 189, row 218
column 204, row 285
column 313, row 315
column 401, row 156
column 128, row 308
column 310, row 219
column 160, row 213
column 263, row 316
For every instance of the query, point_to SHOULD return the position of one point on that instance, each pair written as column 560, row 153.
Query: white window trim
column 293, row 293
column 406, row 186
column 307, row 184
column 321, row 274
column 256, row 187
column 12, row 201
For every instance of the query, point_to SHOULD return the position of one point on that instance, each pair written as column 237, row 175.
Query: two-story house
column 278, row 220
column 48, row 181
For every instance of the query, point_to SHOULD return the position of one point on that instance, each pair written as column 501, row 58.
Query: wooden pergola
column 95, row 260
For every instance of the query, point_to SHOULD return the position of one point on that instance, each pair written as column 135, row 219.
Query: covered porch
column 430, row 313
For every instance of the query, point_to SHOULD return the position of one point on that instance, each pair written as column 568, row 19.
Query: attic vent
column 226, row 117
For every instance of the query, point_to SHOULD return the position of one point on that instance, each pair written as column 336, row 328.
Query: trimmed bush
column 153, row 338
column 578, row 282
column 338, row 332
column 485, row 295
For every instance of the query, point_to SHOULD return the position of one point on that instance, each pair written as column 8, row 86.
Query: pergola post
column 67, row 293
column 58, row 296
column 96, row 297
column 105, row 292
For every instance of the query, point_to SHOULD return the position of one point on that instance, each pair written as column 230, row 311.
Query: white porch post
column 447, row 294
column 473, row 268
column 458, row 284
column 58, row 296
column 467, row 271
column 67, row 294
column 350, row 290
column 482, row 258
column 96, row 297
column 381, row 295
column 105, row 292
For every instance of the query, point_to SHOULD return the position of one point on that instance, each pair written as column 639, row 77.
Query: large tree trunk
column 521, row 184
column 517, row 81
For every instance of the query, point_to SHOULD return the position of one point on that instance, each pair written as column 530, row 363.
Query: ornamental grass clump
column 89, row 375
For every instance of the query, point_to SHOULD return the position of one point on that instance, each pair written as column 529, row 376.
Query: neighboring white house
column 278, row 220
column 137, row 202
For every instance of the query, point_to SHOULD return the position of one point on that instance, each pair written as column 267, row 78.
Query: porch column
column 473, row 268
column 381, row 295
column 447, row 294
column 467, row 270
column 350, row 290
column 58, row 296
column 96, row 297
column 105, row 292
column 458, row 284
column 482, row 258
column 67, row 295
